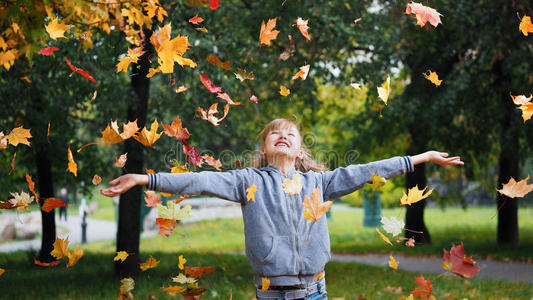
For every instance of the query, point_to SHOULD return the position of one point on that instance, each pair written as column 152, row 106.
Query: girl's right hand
column 124, row 183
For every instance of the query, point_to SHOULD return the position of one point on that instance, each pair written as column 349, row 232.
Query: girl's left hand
column 441, row 158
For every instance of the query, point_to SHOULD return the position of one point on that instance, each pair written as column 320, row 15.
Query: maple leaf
column 31, row 186
column 293, row 186
column 175, row 130
column 383, row 237
column 265, row 284
column 212, row 162
column 253, row 98
column 527, row 111
column 47, row 51
column 227, row 98
column 214, row 4
column 73, row 257
column 20, row 201
column 7, row 58
column 43, row 264
column 111, row 133
column 148, row 138
column 170, row 50
column 242, row 75
column 214, row 60
column 174, row 289
column 392, row 225
column 50, row 203
column 288, row 52
column 196, row 20
column 177, row 168
column 521, row 99
column 284, row 91
column 393, row 263
column 128, row 284
column 302, row 26
column 304, row 70
column 149, row 263
column 250, row 192
column 456, row 262
column 433, row 77
column 55, row 29
column 124, row 63
column 181, row 278
column 191, row 153
column 377, row 181
column 423, row 14
column 60, row 248
column 173, row 211
column 80, row 71
column 208, row 84
column 267, row 34
column 514, row 189
column 96, row 179
column 209, row 115
column 424, row 288
column 166, row 226
column 151, row 198
column 181, row 262
column 525, row 25
column 414, row 195
column 314, row 208
column 3, row 141
column 384, row 90
column 197, row 272
column 121, row 255
column 19, row 135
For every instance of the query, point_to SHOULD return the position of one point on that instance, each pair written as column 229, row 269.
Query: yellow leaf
column 60, row 248
column 265, row 284
column 174, row 289
column 149, row 263
column 124, row 63
column 19, row 135
column 293, row 186
column 513, row 189
column 377, row 181
column 527, row 111
column 181, row 262
column 414, row 195
column 74, row 256
column 72, row 165
column 121, row 255
column 152, row 72
column 384, row 90
column 148, row 138
column 304, row 70
column 383, row 237
column 55, row 29
column 173, row 211
column 7, row 58
column 202, row 29
column 393, row 263
column 250, row 193
column 182, row 61
column 181, row 89
column 111, row 134
column 284, row 91
column 21, row 201
column 177, row 168
column 314, row 208
column 433, row 77
column 525, row 25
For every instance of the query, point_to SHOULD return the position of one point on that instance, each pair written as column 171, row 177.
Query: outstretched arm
column 439, row 158
column 123, row 183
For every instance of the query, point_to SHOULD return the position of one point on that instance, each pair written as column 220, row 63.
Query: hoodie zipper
column 295, row 233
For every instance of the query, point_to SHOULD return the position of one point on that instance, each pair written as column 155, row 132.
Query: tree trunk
column 128, row 231
column 46, row 190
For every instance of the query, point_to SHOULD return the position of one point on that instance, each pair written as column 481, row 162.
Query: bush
column 391, row 193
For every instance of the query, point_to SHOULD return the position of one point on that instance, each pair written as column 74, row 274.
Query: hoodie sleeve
column 344, row 180
column 226, row 185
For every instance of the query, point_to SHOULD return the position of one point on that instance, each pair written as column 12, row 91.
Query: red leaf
column 151, row 198
column 214, row 4
column 192, row 155
column 208, row 84
column 43, row 264
column 47, row 51
column 226, row 97
column 424, row 288
column 51, row 203
column 80, row 71
column 196, row 20
column 166, row 226
column 456, row 262
column 253, row 98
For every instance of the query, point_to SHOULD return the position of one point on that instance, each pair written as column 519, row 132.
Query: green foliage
column 390, row 194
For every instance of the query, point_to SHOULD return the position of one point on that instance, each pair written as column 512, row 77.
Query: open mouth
column 281, row 144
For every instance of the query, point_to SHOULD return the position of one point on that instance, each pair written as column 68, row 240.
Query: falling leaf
column 357, row 20
column 414, row 195
column 410, row 243
column 31, row 186
column 521, row 99
column 177, row 168
column 302, row 26
column 181, row 278
column 242, row 75
column 356, row 86
column 424, row 288
column 166, row 226
column 314, row 208
column 214, row 4
column 175, row 130
column 514, row 189
column 170, row 50
column 124, row 63
column 209, row 115
column 192, row 154
column 202, row 29
column 3, row 141
column 383, row 237
column 377, row 181
column 97, row 179
column 43, row 264
column 527, row 111
column 20, row 201
column 304, row 70
column 2, row 271
column 174, row 289
column 181, row 262
column 227, row 98
column 250, row 192
column 50, row 203
column 289, row 51
column 215, row 163
column 181, row 89
column 393, row 263
column 214, row 60
column 72, row 165
column 525, row 25
column 75, row 256
column 80, row 71
column 265, row 284
column 456, row 262
column 60, row 248
column 13, row 163
column 26, row 78
column 47, row 51
column 208, row 84
column 151, row 198
column 197, row 272
column 173, row 211
column 384, row 90
column 267, row 33
column 293, row 186
column 392, row 225
column 196, row 20
column 19, row 135
column 433, row 77
column 423, row 14
column 149, row 263
column 120, row 162
column 55, row 29
column 92, row 99
column 253, row 98
column 121, row 255
column 284, row 91
column 128, row 284
column 148, row 138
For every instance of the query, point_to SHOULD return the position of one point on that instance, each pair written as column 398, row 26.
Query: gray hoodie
column 275, row 229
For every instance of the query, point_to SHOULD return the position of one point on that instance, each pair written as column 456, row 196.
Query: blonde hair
column 307, row 163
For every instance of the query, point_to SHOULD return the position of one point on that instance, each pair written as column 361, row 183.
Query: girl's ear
column 300, row 155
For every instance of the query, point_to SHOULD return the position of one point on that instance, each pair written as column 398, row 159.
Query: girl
column 274, row 225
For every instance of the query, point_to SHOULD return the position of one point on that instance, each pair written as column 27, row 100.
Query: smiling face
column 282, row 142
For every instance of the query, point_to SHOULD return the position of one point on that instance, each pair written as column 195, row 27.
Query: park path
column 98, row 230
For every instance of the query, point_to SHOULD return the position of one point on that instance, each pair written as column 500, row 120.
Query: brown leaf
column 120, row 162
column 175, row 130
column 50, row 203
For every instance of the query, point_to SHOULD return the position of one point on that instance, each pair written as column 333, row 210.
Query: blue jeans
column 318, row 295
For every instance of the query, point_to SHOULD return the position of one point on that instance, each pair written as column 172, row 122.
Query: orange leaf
column 150, row 263
column 302, row 26
column 151, row 198
column 19, row 135
column 424, row 288
column 31, row 186
column 175, row 130
column 209, row 115
column 97, row 179
column 214, row 60
column 212, row 162
column 26, row 78
column 527, row 111
column 148, row 138
column 72, row 166
column 51, row 203
column 267, row 34
column 393, row 263
column 433, row 77
column 304, row 70
column 80, row 71
column 174, row 289
column 197, row 272
column 196, row 20
column 43, row 264
column 120, row 162
column 166, row 226
column 513, row 189
column 314, row 208
column 13, row 163
column 525, row 25
column 423, row 14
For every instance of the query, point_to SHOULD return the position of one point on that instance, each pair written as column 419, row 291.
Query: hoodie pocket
column 272, row 256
